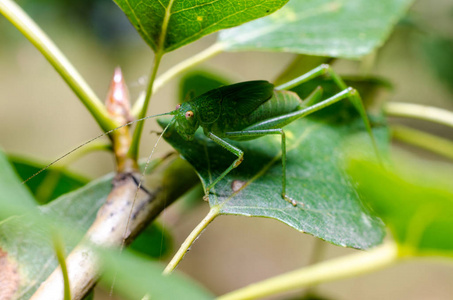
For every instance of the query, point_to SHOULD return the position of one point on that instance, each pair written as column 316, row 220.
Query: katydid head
column 186, row 121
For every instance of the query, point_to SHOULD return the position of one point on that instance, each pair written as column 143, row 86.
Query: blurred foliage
column 155, row 241
column 195, row 83
column 431, row 44
column 416, row 203
column 11, row 188
column 438, row 52
column 133, row 277
column 51, row 183
column 100, row 17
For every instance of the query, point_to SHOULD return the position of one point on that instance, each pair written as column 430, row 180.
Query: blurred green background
column 40, row 117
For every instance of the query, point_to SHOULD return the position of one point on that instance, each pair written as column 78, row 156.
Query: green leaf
column 337, row 28
column 416, row 203
column 155, row 241
column 11, row 188
column 169, row 24
column 51, row 183
column 332, row 209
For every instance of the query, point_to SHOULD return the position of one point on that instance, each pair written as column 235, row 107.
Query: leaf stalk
column 133, row 151
column 422, row 112
column 213, row 213
column 339, row 268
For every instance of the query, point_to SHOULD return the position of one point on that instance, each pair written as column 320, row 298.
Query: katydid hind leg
column 281, row 121
column 313, row 98
column 353, row 95
column 260, row 133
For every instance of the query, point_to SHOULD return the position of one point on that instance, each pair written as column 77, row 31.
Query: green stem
column 59, row 252
column 423, row 140
column 42, row 42
column 178, row 69
column 417, row 111
column 133, row 151
column 213, row 213
column 339, row 268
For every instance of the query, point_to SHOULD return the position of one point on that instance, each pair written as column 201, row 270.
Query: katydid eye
column 189, row 114
column 178, row 106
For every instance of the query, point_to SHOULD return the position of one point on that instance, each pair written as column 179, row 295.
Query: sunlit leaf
column 169, row 24
column 337, row 28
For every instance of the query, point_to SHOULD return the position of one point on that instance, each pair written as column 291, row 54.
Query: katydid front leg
column 251, row 134
column 236, row 151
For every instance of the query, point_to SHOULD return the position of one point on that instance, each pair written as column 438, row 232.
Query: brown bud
column 117, row 102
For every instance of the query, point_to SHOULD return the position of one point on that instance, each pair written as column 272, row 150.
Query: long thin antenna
column 123, row 242
column 93, row 139
column 141, row 180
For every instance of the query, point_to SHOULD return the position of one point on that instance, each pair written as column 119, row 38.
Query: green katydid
column 249, row 110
